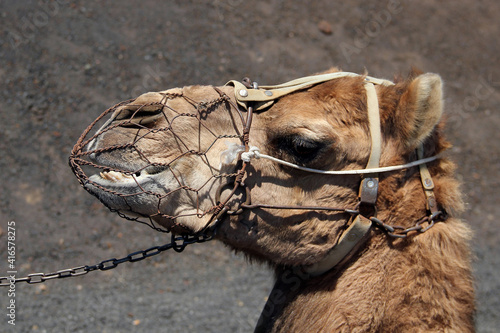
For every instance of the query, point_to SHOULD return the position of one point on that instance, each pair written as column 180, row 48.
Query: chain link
column 178, row 244
column 402, row 232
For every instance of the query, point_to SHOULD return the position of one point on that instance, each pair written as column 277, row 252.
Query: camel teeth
column 114, row 176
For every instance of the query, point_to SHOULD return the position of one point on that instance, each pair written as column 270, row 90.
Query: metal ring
column 233, row 186
column 218, row 193
column 248, row 201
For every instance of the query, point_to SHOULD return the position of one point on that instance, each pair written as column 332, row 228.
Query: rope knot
column 233, row 150
column 253, row 152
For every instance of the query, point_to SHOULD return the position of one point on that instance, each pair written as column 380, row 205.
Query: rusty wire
column 127, row 115
column 122, row 117
column 144, row 119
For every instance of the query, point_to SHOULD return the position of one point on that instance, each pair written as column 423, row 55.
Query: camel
column 336, row 180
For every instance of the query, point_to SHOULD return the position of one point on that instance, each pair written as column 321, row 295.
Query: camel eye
column 301, row 150
column 303, row 147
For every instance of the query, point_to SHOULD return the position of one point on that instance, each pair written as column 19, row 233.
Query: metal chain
column 178, row 244
column 402, row 232
column 391, row 231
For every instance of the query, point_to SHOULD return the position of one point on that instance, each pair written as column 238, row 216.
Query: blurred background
column 64, row 62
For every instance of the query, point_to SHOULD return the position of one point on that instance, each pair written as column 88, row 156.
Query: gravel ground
column 63, row 62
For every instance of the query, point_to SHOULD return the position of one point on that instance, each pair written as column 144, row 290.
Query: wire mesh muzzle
column 155, row 159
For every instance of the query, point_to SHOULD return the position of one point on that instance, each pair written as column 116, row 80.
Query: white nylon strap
column 255, row 153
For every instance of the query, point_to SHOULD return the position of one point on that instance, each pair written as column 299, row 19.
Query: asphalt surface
column 64, row 62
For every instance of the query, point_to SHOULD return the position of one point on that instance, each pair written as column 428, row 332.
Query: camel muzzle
column 126, row 177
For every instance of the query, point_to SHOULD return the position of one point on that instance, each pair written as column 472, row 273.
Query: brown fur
column 419, row 284
column 422, row 284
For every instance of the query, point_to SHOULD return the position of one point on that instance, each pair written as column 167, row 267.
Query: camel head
column 174, row 158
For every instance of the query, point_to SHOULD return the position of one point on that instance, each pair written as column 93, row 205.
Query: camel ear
column 422, row 107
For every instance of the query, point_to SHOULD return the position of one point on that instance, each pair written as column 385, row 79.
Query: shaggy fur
column 419, row 284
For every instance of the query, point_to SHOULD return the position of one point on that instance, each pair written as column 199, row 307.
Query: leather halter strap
column 265, row 96
column 375, row 129
column 359, row 227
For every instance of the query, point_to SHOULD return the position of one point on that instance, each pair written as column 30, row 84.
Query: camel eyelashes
column 300, row 149
column 304, row 147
